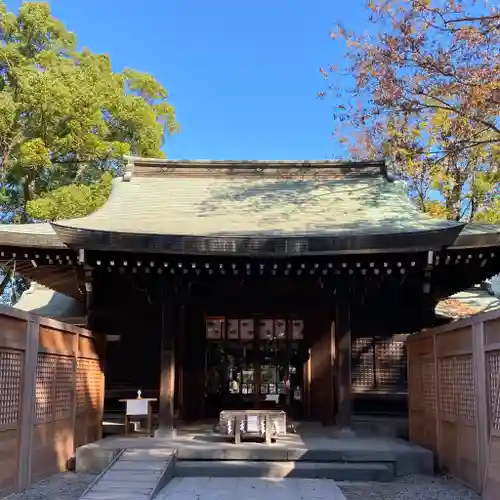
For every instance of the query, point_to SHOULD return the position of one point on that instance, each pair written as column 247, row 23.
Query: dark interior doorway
column 254, row 362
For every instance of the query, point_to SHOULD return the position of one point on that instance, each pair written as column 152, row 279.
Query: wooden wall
column 51, row 396
column 454, row 402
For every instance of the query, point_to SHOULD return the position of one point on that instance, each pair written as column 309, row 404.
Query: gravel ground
column 69, row 486
column 63, row 486
column 410, row 488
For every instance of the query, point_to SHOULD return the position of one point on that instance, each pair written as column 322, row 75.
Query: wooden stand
column 138, row 407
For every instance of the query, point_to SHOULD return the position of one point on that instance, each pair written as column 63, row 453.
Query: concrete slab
column 205, row 488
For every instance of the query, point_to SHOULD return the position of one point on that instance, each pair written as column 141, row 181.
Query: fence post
column 481, row 396
column 28, row 400
column 101, row 405
column 437, row 396
column 74, row 401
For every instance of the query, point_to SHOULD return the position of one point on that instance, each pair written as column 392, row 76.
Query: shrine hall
column 293, row 285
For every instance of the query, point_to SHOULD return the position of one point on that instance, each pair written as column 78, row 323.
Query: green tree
column 423, row 86
column 66, row 118
column 71, row 201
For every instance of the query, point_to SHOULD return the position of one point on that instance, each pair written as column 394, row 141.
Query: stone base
column 93, row 459
column 166, row 433
column 333, row 452
column 345, row 433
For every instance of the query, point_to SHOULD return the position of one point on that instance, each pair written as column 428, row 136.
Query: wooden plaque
column 266, row 327
column 280, row 328
column 297, row 329
column 214, row 328
column 233, row 329
column 247, row 329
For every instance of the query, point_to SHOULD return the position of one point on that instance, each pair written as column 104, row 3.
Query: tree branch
column 491, row 17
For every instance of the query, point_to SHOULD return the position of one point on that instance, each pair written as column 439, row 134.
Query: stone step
column 338, row 471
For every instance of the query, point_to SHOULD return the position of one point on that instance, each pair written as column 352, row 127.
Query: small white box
column 137, row 407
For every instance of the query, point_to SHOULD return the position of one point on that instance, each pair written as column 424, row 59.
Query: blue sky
column 242, row 75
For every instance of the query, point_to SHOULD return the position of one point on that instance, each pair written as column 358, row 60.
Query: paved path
column 205, row 488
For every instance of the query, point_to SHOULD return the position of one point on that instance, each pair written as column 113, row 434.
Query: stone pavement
column 205, row 488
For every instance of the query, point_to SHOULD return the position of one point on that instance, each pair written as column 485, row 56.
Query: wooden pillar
column 94, row 320
column 322, row 369
column 193, row 361
column 166, row 420
column 89, row 296
column 344, row 377
column 180, row 363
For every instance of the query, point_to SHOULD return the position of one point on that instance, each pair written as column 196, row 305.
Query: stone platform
column 312, row 451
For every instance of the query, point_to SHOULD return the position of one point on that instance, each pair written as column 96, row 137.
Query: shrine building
column 218, row 285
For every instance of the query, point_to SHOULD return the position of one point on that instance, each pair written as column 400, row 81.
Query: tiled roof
column 42, row 301
column 213, row 199
column 254, row 207
column 30, row 235
column 473, row 301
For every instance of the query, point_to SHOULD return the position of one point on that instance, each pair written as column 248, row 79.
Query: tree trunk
column 26, row 199
column 454, row 195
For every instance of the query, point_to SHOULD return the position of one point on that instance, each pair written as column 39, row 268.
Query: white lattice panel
column 44, row 388
column 494, row 389
column 447, row 388
column 428, row 386
column 11, row 368
column 88, row 384
column 464, row 370
column 64, row 387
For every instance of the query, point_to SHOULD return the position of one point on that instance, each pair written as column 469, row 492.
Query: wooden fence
column 51, row 396
column 454, row 403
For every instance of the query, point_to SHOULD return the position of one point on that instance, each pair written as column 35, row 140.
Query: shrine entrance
column 254, row 362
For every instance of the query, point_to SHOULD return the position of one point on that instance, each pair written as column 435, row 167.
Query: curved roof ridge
column 281, row 169
column 272, row 163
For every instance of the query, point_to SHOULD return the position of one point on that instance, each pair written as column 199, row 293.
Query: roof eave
column 478, row 235
column 259, row 244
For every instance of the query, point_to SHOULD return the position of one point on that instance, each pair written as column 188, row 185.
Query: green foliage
column 75, row 200
column 66, row 117
column 425, row 94
column 491, row 213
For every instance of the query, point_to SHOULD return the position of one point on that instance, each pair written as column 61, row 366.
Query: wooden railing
column 51, row 396
column 454, row 403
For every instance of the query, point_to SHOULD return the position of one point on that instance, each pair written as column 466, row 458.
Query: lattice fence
column 454, row 398
column 11, row 368
column 428, row 378
column 465, row 393
column 64, row 387
column 379, row 364
column 49, row 393
column 88, row 384
column 44, row 386
column 493, row 361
